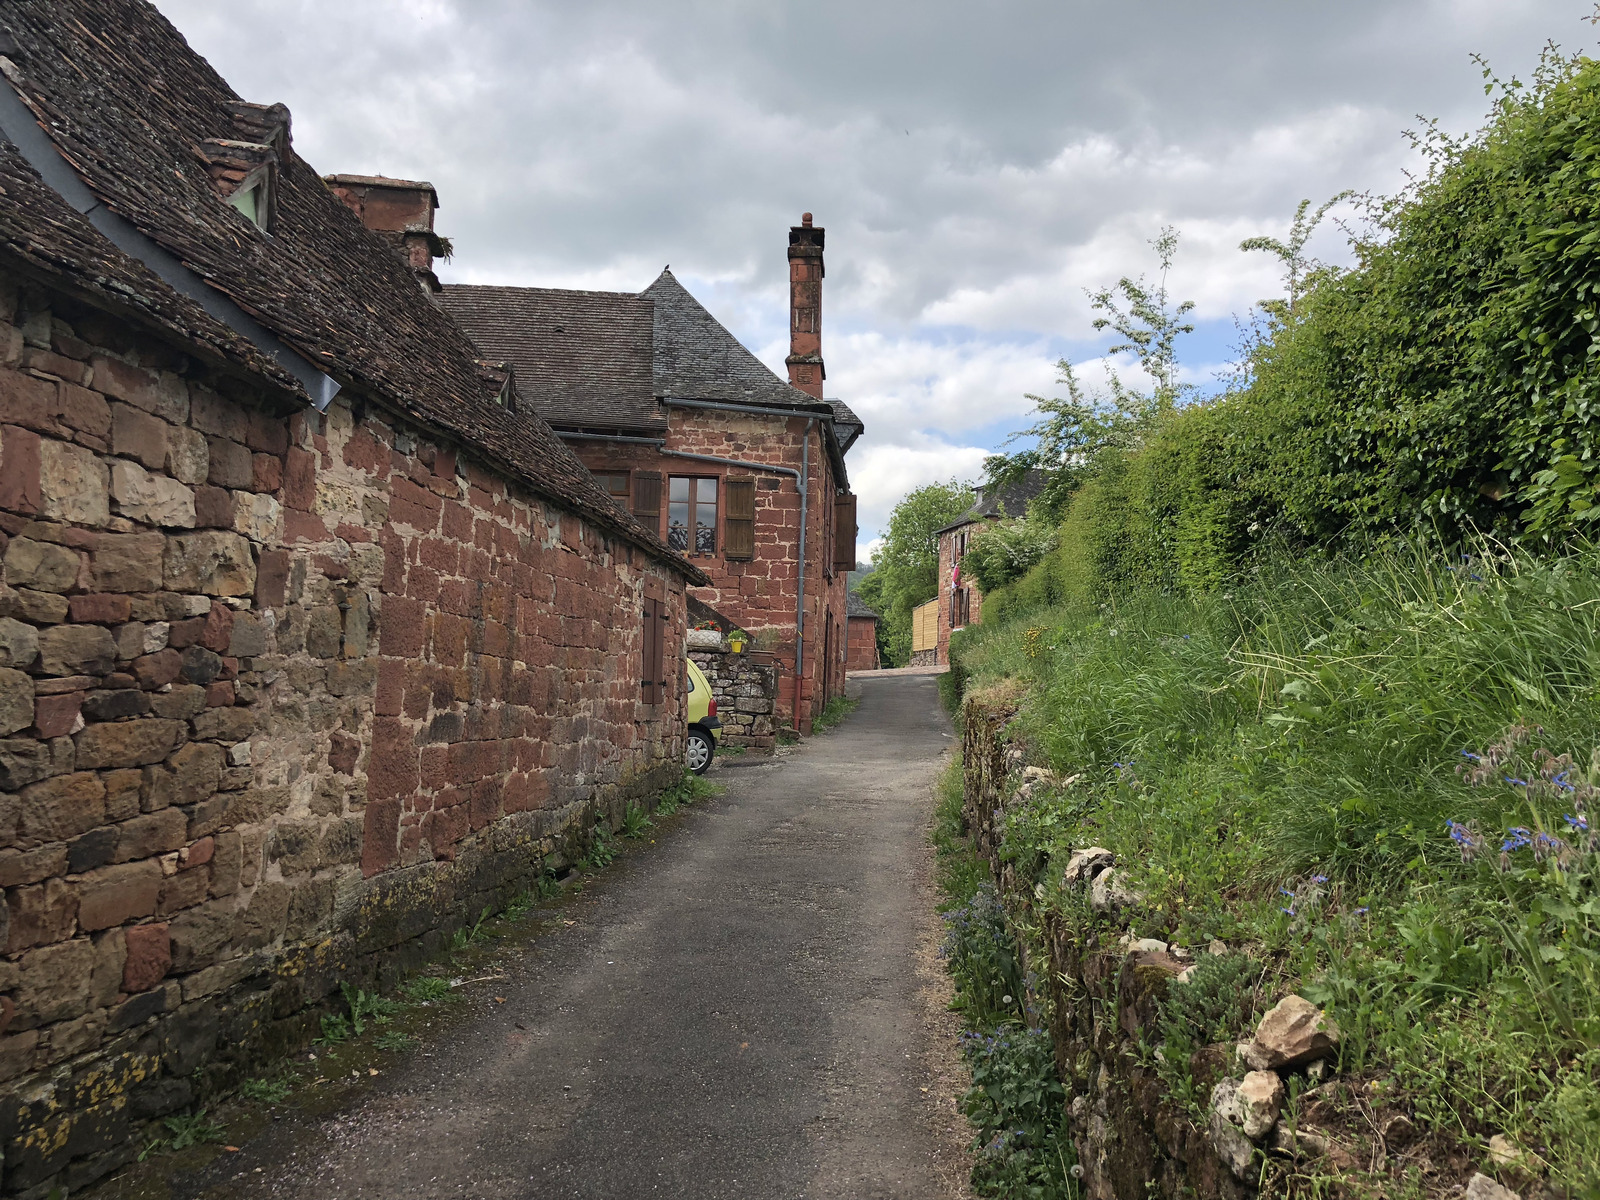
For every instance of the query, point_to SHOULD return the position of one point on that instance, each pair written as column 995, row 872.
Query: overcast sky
column 976, row 165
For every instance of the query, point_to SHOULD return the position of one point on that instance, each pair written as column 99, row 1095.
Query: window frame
column 693, row 526
column 626, row 494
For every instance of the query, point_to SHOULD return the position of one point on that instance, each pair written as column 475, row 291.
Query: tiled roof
column 582, row 358
column 697, row 359
column 855, row 606
column 128, row 103
column 1011, row 499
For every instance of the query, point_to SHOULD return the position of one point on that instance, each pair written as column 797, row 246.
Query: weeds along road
column 739, row 1011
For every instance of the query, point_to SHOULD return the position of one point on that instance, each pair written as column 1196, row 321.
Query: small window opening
column 692, row 514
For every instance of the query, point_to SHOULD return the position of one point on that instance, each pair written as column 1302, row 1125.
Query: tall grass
column 1277, row 764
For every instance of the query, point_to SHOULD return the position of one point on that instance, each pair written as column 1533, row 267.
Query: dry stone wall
column 282, row 698
column 746, row 688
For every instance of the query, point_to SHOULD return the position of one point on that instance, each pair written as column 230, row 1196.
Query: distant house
column 310, row 646
column 861, row 653
column 741, row 471
column 960, row 601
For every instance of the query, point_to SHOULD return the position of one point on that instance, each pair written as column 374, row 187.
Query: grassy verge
column 1375, row 782
column 833, row 712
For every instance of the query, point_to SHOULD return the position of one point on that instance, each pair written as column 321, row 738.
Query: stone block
column 324, row 632
column 214, row 562
column 225, row 724
column 19, row 643
column 1295, row 1031
column 153, row 671
column 41, row 914
column 122, row 793
column 268, row 473
column 265, row 918
column 128, row 743
column 151, row 834
column 183, row 890
column 226, row 862
column 118, row 894
column 58, row 716
column 188, row 458
column 77, row 650
column 152, row 499
column 42, row 566
column 149, row 957
column 55, row 983
column 198, row 933
column 138, row 435
column 230, row 464
column 163, row 395
column 74, row 484
column 254, row 805
column 16, row 701
column 60, row 808
column 127, row 562
column 257, row 516
column 72, row 1038
column 19, row 470
column 185, row 700
column 97, row 848
column 18, row 1053
column 101, row 608
column 30, row 866
column 196, row 769
column 272, row 578
column 42, row 608
column 213, row 508
column 116, row 705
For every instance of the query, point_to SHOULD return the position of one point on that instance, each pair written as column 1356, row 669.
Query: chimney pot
column 805, row 219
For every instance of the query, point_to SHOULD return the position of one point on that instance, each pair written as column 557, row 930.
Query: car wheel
column 699, row 751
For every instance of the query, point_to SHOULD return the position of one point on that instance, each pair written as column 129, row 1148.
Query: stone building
column 960, row 599
column 736, row 468
column 861, row 639
column 313, row 637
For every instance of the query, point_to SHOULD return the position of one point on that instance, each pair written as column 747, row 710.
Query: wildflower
column 1362, row 911
column 1470, row 755
column 1319, row 879
column 1517, row 838
column 1517, row 782
column 1579, row 823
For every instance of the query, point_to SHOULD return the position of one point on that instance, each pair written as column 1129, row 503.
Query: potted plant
column 736, row 640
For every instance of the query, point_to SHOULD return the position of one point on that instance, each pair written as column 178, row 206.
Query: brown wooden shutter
column 844, row 533
column 663, row 621
column 739, row 521
column 647, row 497
column 650, row 658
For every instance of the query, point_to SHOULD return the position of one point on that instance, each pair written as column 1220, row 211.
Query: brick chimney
column 401, row 210
column 805, row 307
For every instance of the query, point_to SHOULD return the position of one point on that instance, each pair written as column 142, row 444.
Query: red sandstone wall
column 947, row 563
column 263, row 679
column 862, row 651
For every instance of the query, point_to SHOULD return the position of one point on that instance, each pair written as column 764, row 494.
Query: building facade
column 740, row 471
column 861, row 653
column 308, row 650
column 960, row 599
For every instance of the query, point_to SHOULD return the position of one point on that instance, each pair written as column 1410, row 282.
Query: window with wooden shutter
column 739, row 517
column 844, row 533
column 647, row 497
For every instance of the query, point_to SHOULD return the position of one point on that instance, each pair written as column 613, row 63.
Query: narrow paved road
column 735, row 1012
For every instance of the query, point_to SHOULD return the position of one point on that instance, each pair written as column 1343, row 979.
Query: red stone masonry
column 760, row 594
column 282, row 698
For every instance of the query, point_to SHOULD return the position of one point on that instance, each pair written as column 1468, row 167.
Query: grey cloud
column 977, row 165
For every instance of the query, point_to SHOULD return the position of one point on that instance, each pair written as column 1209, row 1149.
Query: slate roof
column 127, row 103
column 582, row 358
column 1013, row 498
column 855, row 606
column 697, row 359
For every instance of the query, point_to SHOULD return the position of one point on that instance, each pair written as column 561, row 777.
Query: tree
column 906, row 566
column 1298, row 266
column 1074, row 431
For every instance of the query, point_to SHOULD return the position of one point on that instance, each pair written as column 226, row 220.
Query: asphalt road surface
column 736, row 1011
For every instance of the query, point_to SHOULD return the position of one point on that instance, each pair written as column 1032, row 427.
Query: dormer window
column 500, row 382
column 251, row 200
column 244, row 170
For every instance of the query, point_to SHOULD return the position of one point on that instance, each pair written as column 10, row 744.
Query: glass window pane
column 705, row 490
column 705, row 537
column 678, row 526
column 678, row 488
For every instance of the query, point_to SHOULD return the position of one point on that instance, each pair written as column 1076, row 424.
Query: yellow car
column 704, row 728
